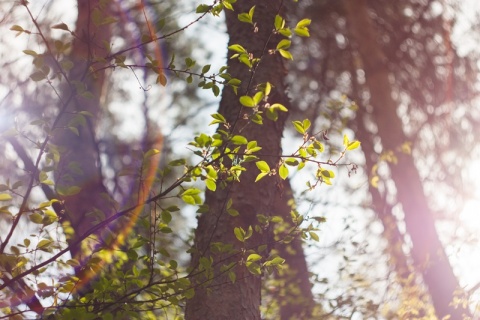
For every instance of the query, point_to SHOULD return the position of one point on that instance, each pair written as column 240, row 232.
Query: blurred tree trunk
column 79, row 177
column 427, row 250
column 219, row 298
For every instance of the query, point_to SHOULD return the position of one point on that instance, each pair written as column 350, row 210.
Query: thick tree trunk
column 216, row 297
column 427, row 250
column 79, row 164
column 294, row 294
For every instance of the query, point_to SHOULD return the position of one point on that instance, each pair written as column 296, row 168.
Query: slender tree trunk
column 427, row 250
column 216, row 297
column 79, row 166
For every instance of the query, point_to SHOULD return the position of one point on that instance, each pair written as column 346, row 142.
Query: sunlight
column 469, row 254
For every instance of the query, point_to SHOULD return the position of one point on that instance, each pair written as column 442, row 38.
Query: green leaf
column 237, row 48
column 211, row 172
column 188, row 199
column 279, row 22
column 276, row 261
column 211, row 185
column 261, row 175
column 346, row 141
column 239, row 140
column 254, row 268
column 285, row 32
column 253, row 257
column 318, row 146
column 292, row 162
column 314, row 236
column 216, row 90
column 37, row 76
column 30, row 53
column 284, row 44
column 36, row 218
column 258, row 97
column 239, row 234
column 302, row 32
column 16, row 27
column 244, row 17
column 61, row 26
column 203, row 8
column 298, row 126
column 327, row 173
column 247, row 101
column 303, row 23
column 218, row 118
column 206, row 68
column 233, row 212
column 166, row 216
column 5, row 197
column 268, row 88
column 232, row 276
column 306, row 124
column 251, row 11
column 285, row 54
column 353, row 145
column 189, row 62
column 278, row 106
column 227, row 5
column 192, row 191
column 283, row 171
column 43, row 243
column 263, row 166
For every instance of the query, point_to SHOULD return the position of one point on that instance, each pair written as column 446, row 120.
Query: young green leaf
column 239, row 140
column 237, row 48
column 263, row 166
column 245, row 17
column 253, row 257
column 283, row 171
column 346, row 141
column 203, row 8
column 353, row 145
column 211, row 185
column 239, row 234
column 257, row 97
column 247, row 101
column 5, row 197
column 298, row 126
column 286, row 54
column 303, row 23
column 261, row 175
column 284, row 44
column 279, row 22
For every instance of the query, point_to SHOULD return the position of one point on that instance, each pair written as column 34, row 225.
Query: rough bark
column 219, row 298
column 427, row 250
column 79, row 163
column 294, row 294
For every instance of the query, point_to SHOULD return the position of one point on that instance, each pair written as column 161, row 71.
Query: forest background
column 111, row 148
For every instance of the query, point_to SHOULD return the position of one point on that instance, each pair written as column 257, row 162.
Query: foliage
column 106, row 270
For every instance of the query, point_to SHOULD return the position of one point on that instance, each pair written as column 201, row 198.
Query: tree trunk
column 294, row 292
column 79, row 166
column 216, row 297
column 427, row 250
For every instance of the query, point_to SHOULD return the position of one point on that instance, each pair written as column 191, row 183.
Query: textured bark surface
column 294, row 295
column 80, row 160
column 427, row 250
column 220, row 299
